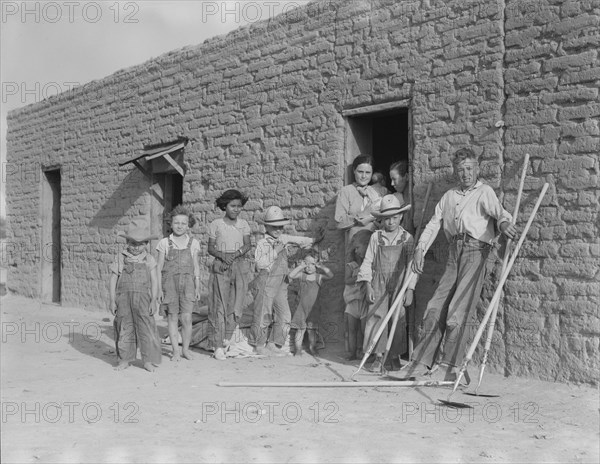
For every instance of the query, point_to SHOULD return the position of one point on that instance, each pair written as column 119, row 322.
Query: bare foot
column 299, row 352
column 122, row 365
column 149, row 366
column 175, row 356
column 187, row 354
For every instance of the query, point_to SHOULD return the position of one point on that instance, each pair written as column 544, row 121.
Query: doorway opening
column 170, row 187
column 51, row 237
column 383, row 134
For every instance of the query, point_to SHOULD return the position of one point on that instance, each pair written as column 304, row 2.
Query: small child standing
column 228, row 242
column 311, row 274
column 271, row 301
column 133, row 291
column 356, row 307
column 383, row 271
column 179, row 285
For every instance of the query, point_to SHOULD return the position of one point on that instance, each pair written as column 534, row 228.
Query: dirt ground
column 63, row 402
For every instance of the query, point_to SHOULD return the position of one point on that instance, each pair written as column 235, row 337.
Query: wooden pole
column 383, row 326
column 337, row 384
column 498, row 291
column 492, row 325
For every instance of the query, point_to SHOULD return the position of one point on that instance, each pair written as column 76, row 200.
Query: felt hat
column 138, row 231
column 274, row 217
column 390, row 206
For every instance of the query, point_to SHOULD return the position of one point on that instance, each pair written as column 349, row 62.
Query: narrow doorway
column 51, row 237
column 168, row 191
column 385, row 135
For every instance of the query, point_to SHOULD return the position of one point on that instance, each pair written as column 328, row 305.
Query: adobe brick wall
column 262, row 107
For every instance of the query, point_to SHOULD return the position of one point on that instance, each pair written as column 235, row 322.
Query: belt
column 464, row 237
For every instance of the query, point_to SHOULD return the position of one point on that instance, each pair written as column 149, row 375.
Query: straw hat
column 138, row 231
column 274, row 217
column 390, row 206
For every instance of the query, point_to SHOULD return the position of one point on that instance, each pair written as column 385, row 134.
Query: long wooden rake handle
column 492, row 325
column 498, row 291
column 391, row 311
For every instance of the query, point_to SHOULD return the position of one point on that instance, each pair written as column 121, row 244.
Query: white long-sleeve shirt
column 265, row 253
column 468, row 212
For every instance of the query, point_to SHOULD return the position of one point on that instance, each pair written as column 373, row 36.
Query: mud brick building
column 279, row 109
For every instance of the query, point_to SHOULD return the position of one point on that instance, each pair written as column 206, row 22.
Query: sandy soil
column 63, row 402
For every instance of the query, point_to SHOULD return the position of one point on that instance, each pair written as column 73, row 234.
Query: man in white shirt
column 467, row 214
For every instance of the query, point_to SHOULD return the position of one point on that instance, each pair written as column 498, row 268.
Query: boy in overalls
column 467, row 214
column 271, row 284
column 383, row 271
column 179, row 285
column 133, row 290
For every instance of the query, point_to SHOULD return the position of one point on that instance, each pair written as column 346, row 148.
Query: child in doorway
column 311, row 274
column 378, row 183
column 133, row 291
column 383, row 272
column 356, row 307
column 228, row 242
column 179, row 282
column 467, row 213
column 271, row 301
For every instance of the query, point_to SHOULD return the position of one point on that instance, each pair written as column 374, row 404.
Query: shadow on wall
column 121, row 201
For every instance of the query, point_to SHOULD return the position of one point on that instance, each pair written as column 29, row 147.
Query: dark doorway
column 169, row 190
column 385, row 135
column 51, row 237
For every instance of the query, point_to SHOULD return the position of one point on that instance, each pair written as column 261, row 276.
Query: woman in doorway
column 356, row 201
column 399, row 178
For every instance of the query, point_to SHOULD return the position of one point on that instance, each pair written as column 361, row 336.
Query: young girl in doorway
column 311, row 275
column 179, row 282
column 228, row 242
column 356, row 306
column 399, row 177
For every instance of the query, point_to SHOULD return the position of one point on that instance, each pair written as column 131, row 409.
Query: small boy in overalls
column 179, row 285
column 467, row 213
column 383, row 271
column 271, row 284
column 133, row 290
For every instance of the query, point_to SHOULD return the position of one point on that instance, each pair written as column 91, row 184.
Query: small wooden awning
column 163, row 157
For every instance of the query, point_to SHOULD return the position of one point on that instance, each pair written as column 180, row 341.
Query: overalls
column 389, row 269
column 228, row 286
column 271, row 303
column 134, row 326
column 178, row 279
column 452, row 308
column 308, row 292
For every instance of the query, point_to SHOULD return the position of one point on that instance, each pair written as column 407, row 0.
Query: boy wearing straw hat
column 271, row 301
column 133, row 291
column 467, row 214
column 382, row 272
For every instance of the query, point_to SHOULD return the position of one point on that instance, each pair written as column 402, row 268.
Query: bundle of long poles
column 492, row 325
column 383, row 326
column 498, row 292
